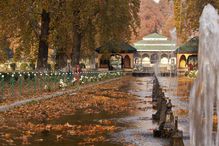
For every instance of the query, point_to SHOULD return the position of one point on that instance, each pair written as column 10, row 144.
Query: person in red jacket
column 77, row 72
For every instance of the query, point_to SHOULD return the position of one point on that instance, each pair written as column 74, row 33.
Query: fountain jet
column 205, row 92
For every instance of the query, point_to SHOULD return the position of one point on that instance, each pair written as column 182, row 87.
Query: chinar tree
column 76, row 27
column 99, row 21
column 26, row 23
column 187, row 14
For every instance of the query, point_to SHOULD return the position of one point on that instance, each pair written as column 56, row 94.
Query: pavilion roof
column 155, row 42
column 154, row 35
column 155, row 48
column 116, row 48
column 189, row 47
column 142, row 42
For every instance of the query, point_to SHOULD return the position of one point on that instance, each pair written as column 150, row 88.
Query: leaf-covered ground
column 23, row 124
column 28, row 91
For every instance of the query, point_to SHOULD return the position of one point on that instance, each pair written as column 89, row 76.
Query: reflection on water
column 141, row 133
column 136, row 129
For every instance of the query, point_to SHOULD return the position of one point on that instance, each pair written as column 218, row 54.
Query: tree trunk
column 61, row 58
column 43, row 41
column 76, row 46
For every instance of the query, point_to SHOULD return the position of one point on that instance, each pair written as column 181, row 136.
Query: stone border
column 5, row 108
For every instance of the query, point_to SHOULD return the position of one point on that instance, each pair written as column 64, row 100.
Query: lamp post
column 69, row 76
column 69, row 64
column 28, row 80
column 35, row 79
column 41, row 81
column 20, row 84
column 12, row 84
column 2, row 85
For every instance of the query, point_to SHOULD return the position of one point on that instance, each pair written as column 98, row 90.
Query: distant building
column 155, row 49
column 187, row 55
column 118, row 56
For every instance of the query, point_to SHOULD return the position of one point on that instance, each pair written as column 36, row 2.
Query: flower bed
column 22, row 85
column 192, row 74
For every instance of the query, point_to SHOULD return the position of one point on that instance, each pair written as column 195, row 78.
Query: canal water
column 137, row 128
column 141, row 133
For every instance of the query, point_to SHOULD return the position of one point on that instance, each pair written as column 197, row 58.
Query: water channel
column 136, row 128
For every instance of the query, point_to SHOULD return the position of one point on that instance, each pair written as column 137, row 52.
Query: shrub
column 13, row 66
column 186, row 73
column 23, row 66
column 32, row 66
column 82, row 65
column 49, row 67
column 192, row 74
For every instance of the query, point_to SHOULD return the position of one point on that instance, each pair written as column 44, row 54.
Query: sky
column 157, row 1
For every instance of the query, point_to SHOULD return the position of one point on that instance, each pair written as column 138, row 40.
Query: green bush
column 192, row 74
column 82, row 65
column 32, row 66
column 56, row 67
column 23, row 66
column 186, row 73
column 49, row 66
column 13, row 66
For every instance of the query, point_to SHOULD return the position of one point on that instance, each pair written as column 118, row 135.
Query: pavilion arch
column 104, row 61
column 164, row 59
column 154, row 58
column 182, row 62
column 192, row 58
column 145, row 59
column 116, row 61
column 137, row 58
column 192, row 62
column 127, row 61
